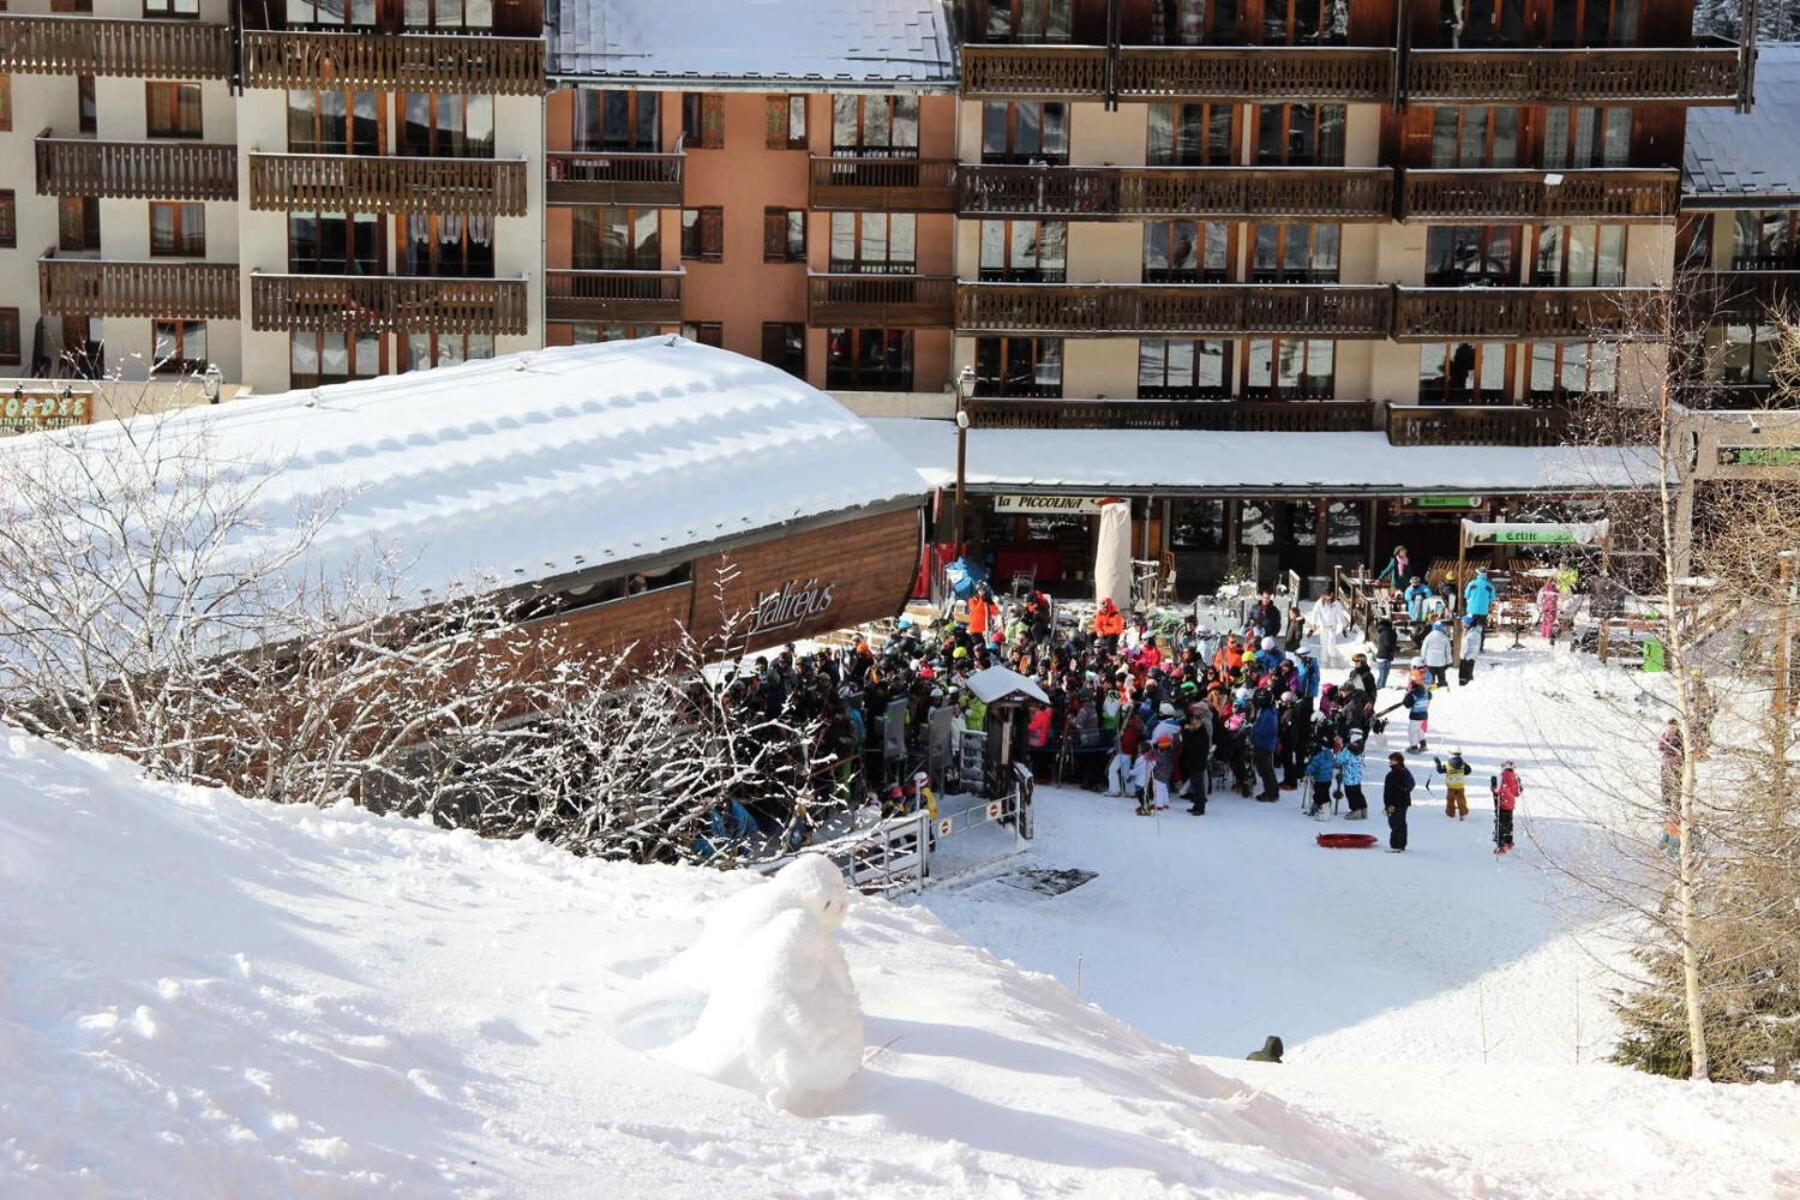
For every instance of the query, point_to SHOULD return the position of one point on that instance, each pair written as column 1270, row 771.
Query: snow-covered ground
column 202, row 996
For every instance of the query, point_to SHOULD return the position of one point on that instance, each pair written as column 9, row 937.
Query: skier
column 1418, row 594
column 1436, row 652
column 1418, row 714
column 1123, row 767
column 1396, row 797
column 1265, row 735
column 1350, row 771
column 1331, row 621
column 1265, row 615
column 1478, row 596
column 1506, row 798
column 1162, row 773
column 1321, row 769
column 1387, row 644
column 1456, row 785
column 1548, row 598
column 1471, row 649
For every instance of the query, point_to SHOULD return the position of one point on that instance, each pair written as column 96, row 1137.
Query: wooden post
column 1780, row 698
column 1320, row 525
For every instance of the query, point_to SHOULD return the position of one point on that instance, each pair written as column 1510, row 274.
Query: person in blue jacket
column 1321, row 769
column 1478, row 597
column 1418, row 594
column 1309, row 674
column 1350, row 772
column 1265, row 735
column 1418, row 713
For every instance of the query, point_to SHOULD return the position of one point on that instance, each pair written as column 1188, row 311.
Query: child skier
column 1506, row 798
column 1418, row 714
column 1471, row 650
column 1321, row 769
column 1350, row 770
column 1456, row 785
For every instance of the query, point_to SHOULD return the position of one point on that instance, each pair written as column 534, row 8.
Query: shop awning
column 1195, row 462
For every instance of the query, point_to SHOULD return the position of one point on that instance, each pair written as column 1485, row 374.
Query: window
column 1481, row 24
column 1191, row 135
column 1024, row 251
column 1289, row 368
column 1560, row 370
column 1463, row 254
column 335, row 243
column 1024, row 132
column 1343, row 526
column 422, row 350
column 1580, row 256
column 447, row 125
column 451, row 244
column 784, row 346
column 1018, row 366
column 1465, row 373
column 875, row 126
column 1304, row 22
column 177, row 347
column 1764, row 239
column 869, row 360
column 1475, row 137
column 787, row 123
column 1186, row 251
column 1295, row 253
column 703, row 234
column 1184, row 369
column 617, row 239
column 707, row 333
column 331, row 14
column 869, row 243
column 616, row 120
column 1746, row 356
column 1593, row 22
column 172, row 110
column 587, row 333
column 1587, row 137
column 1300, row 135
column 702, row 120
column 1029, row 20
column 9, row 218
column 10, row 343
column 333, row 123
column 784, row 234
column 88, row 108
column 1197, row 525
column 77, row 223
column 177, row 230
column 1694, row 242
column 1256, row 523
column 172, row 8
column 6, row 107
column 477, row 15
column 332, row 356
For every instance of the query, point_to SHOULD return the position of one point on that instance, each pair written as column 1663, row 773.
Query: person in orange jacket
column 1109, row 623
column 984, row 612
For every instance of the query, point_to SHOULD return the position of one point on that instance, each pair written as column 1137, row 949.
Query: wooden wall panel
column 1657, row 135
column 644, row 621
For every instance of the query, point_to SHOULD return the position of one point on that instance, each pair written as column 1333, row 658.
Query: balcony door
column 445, row 124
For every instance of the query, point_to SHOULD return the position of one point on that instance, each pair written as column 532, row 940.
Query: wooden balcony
column 1255, row 73
column 481, row 187
column 397, row 303
column 1615, row 195
column 162, row 170
column 1034, row 72
column 1177, row 310
column 836, row 301
column 614, row 297
column 1646, row 75
column 1252, row 416
column 610, row 177
column 882, row 184
column 1750, row 293
column 113, row 46
column 1475, row 425
column 1427, row 314
column 1332, row 194
column 101, row 287
column 420, row 62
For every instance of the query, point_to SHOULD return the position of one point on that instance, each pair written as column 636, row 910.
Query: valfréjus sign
column 792, row 604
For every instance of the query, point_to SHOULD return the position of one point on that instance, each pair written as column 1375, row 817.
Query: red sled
column 1346, row 841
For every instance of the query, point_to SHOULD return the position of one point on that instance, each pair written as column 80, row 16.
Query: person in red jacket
column 1109, row 625
column 984, row 612
column 1506, row 798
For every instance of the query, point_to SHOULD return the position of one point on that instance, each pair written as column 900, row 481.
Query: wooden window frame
column 779, row 235
column 366, row 10
column 1200, row 273
column 855, row 377
column 782, row 331
column 9, row 218
column 1483, row 350
column 180, row 362
column 6, row 104
column 1166, row 28
column 1012, row 154
column 1287, row 111
column 1524, row 123
column 862, row 147
column 89, row 233
column 708, row 240
column 706, row 333
column 318, row 143
column 12, row 337
column 155, row 87
column 188, row 244
column 1488, row 235
column 434, row 348
column 439, row 137
column 1492, row 35
column 634, row 115
column 1179, row 154
column 1192, row 388
column 436, row 20
column 1024, row 23
column 1290, row 20
column 1559, row 277
column 1603, row 116
column 781, row 133
column 1002, row 351
column 352, row 350
column 1312, row 233
column 1790, row 220
column 1275, row 389
column 1007, row 272
column 87, row 106
column 402, row 226
column 702, row 121
column 383, row 247
column 871, row 266
column 1580, row 35
column 1559, row 353
column 169, row 10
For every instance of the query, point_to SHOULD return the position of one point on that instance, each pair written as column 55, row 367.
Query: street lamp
column 211, row 381
column 965, row 388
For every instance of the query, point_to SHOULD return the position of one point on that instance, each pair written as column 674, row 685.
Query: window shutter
column 774, row 235
column 712, row 120
column 775, row 135
column 712, row 233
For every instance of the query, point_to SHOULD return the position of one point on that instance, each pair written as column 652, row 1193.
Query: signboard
column 1443, row 502
column 1532, row 537
column 794, row 603
column 23, row 411
column 1086, row 506
column 1531, row 533
column 1759, row 456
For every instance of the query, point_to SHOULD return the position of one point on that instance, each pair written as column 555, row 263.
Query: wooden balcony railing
column 1647, row 75
column 1181, row 309
column 100, row 287
column 85, row 45
column 610, row 177
column 164, row 170
column 883, row 184
column 1334, row 194
column 618, row 297
column 483, row 187
column 1748, row 294
column 1431, row 313
column 438, row 62
column 1475, row 425
column 1338, row 73
column 1256, row 416
column 1613, row 195
column 1070, row 72
column 879, row 301
column 400, row 303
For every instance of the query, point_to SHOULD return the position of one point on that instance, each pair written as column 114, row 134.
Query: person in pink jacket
column 1506, row 798
column 1548, row 598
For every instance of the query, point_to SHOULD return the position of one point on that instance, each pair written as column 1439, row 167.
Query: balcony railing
column 1431, row 313
column 437, row 62
column 1339, row 73
column 1334, row 194
column 1613, row 195
column 1182, row 309
column 163, row 170
column 1647, row 75
column 483, row 187
column 883, row 184
column 614, row 177
column 614, row 297
column 1072, row 72
column 1256, row 416
column 101, row 287
column 112, row 46
column 399, row 303
column 1475, row 425
column 1744, row 293
column 879, row 301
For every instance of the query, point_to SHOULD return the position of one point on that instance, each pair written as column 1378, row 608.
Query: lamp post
column 965, row 387
column 211, row 381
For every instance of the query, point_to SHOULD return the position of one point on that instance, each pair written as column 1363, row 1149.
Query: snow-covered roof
column 997, row 683
column 1734, row 159
column 539, row 465
column 1131, row 460
column 840, row 43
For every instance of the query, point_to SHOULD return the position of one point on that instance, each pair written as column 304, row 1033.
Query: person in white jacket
column 1331, row 621
column 1436, row 652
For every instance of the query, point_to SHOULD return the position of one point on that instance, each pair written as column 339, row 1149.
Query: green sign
column 1534, row 537
column 1759, row 456
column 1445, row 502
